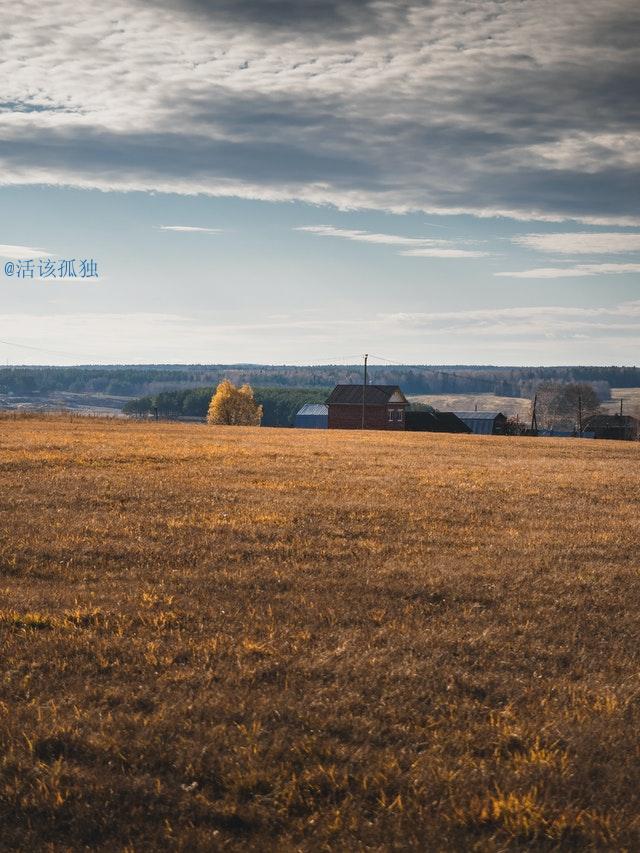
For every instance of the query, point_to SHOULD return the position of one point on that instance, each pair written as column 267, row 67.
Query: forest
column 142, row 380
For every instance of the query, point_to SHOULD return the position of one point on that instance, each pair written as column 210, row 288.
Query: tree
column 560, row 406
column 234, row 406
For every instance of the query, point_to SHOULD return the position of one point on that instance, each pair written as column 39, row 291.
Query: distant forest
column 142, row 380
column 279, row 405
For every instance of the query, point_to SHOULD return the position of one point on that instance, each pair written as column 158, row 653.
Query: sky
column 279, row 181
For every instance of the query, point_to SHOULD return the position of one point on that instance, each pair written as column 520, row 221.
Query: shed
column 384, row 407
column 435, row 422
column 484, row 423
column 620, row 427
column 312, row 416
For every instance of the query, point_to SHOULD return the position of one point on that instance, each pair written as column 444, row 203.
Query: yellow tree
column 234, row 406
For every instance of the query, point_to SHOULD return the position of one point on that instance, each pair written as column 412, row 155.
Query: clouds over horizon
column 527, row 110
column 498, row 331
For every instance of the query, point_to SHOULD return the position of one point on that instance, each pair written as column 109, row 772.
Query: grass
column 253, row 639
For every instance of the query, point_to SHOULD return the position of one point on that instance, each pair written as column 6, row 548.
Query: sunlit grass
column 230, row 638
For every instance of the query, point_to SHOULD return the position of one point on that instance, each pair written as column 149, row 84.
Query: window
column 390, row 415
column 399, row 414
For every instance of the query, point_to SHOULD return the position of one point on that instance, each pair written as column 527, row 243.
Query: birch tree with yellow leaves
column 234, row 406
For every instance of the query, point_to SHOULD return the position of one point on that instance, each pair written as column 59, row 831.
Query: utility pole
column 364, row 386
column 580, row 415
column 534, row 416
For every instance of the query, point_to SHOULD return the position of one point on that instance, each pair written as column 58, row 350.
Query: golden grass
column 251, row 639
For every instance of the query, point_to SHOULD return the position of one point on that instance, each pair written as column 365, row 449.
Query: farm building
column 435, row 422
column 484, row 423
column 621, row 427
column 312, row 416
column 384, row 407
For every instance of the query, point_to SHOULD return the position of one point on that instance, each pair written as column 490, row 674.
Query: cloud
column 22, row 252
column 365, row 236
column 487, row 108
column 444, row 253
column 580, row 243
column 527, row 324
column 573, row 272
column 196, row 228
column 422, row 247
column 512, row 335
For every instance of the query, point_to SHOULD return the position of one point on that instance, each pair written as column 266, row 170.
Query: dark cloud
column 161, row 156
column 326, row 18
column 519, row 108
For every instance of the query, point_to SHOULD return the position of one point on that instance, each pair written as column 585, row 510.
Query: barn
column 379, row 406
column 484, row 423
column 620, row 427
column 312, row 416
column 435, row 422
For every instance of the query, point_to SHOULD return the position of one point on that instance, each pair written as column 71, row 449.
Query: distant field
column 630, row 401
column 509, row 406
column 80, row 403
column 254, row 639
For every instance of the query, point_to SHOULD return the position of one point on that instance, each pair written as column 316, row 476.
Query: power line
column 468, row 377
column 38, row 349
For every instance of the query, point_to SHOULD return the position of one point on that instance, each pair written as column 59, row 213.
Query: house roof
column 450, row 422
column 313, row 409
column 435, row 422
column 600, row 421
column 375, row 395
column 478, row 416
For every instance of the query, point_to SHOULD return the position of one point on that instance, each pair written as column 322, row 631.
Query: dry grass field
column 630, row 399
column 224, row 638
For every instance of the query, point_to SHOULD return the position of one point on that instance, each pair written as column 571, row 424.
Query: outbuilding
column 620, row 427
column 435, row 422
column 312, row 416
column 484, row 423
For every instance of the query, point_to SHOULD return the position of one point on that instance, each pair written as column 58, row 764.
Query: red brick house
column 384, row 407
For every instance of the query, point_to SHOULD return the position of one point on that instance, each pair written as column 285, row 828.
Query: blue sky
column 287, row 182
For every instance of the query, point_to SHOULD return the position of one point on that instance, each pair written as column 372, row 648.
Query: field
column 509, row 406
column 253, row 639
column 630, row 398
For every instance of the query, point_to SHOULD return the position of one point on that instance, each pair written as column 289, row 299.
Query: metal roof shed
column 312, row 416
column 483, row 423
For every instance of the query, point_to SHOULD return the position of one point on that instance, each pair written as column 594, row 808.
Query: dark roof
column 434, row 422
column 452, row 422
column 608, row 421
column 478, row 416
column 351, row 395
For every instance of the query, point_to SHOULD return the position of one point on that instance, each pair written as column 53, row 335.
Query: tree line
column 144, row 380
column 279, row 405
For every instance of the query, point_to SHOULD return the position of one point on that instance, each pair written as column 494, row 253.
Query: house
column 434, row 422
column 621, row 427
column 484, row 423
column 312, row 416
column 382, row 406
